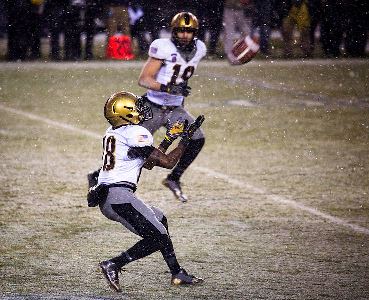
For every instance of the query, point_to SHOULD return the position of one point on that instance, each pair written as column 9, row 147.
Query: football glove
column 173, row 132
column 191, row 129
column 176, row 89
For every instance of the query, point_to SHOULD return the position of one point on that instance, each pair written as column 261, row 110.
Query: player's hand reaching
column 191, row 129
column 177, row 89
column 175, row 130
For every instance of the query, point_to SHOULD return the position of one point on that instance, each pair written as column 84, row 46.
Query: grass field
column 279, row 196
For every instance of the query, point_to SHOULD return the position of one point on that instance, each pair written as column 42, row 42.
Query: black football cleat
column 92, row 178
column 175, row 187
column 110, row 271
column 182, row 277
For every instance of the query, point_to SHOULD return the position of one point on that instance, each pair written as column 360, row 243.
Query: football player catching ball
column 127, row 147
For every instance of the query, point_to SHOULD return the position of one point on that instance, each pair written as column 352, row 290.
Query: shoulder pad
column 160, row 48
column 138, row 136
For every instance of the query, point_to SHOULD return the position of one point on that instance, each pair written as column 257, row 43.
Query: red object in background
column 119, row 47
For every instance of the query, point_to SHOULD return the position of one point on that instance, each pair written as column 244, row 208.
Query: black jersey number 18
column 109, row 153
column 187, row 73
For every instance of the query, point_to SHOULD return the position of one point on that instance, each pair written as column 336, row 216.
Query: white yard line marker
column 50, row 122
column 208, row 172
column 279, row 199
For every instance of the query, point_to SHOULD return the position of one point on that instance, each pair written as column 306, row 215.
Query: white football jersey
column 175, row 68
column 117, row 165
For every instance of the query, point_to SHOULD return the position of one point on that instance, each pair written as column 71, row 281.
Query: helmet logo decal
column 187, row 19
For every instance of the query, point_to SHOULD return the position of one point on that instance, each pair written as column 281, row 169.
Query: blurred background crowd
column 70, row 27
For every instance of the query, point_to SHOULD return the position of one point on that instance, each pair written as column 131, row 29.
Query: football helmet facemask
column 125, row 108
column 184, row 21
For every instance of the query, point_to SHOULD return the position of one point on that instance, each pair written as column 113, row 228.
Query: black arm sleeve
column 140, row 152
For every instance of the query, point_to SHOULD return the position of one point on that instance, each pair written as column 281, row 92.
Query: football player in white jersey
column 171, row 63
column 127, row 147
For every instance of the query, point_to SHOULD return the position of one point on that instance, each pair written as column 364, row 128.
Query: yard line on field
column 206, row 171
column 49, row 121
column 280, row 199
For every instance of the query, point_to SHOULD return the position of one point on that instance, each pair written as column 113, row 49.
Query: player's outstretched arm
column 148, row 74
column 157, row 157
column 168, row 161
column 148, row 80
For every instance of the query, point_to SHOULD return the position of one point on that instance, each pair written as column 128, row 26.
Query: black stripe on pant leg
column 139, row 222
column 149, row 244
column 153, row 239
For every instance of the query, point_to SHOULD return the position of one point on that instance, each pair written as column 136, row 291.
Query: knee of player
column 158, row 213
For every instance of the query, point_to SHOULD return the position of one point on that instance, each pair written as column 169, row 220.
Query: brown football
column 245, row 49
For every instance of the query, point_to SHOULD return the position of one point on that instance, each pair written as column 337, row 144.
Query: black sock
column 169, row 255
column 171, row 260
column 146, row 247
column 141, row 249
column 191, row 152
column 121, row 260
column 168, row 251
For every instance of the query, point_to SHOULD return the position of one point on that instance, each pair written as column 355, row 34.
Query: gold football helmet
column 125, row 108
column 184, row 21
